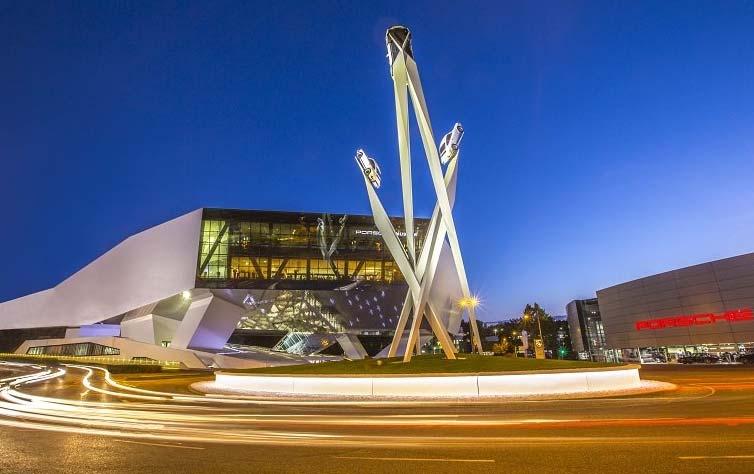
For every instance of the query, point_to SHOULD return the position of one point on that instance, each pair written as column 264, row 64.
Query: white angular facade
column 147, row 267
column 154, row 288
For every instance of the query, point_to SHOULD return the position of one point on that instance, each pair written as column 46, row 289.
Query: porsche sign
column 702, row 319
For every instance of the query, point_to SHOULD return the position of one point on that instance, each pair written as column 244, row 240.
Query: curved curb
column 211, row 389
column 508, row 384
column 440, row 374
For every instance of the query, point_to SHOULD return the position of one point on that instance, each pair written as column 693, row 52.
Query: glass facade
column 585, row 327
column 213, row 249
column 252, row 249
column 368, row 306
column 72, row 350
column 722, row 353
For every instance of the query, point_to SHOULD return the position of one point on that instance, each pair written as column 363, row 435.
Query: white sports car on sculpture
column 398, row 38
column 449, row 144
column 370, row 168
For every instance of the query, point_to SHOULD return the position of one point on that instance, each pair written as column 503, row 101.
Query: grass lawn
column 426, row 364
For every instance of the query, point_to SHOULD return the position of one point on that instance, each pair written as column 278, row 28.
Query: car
column 449, row 144
column 699, row 359
column 746, row 358
column 370, row 168
column 654, row 358
column 397, row 39
column 709, row 358
column 692, row 359
column 659, row 357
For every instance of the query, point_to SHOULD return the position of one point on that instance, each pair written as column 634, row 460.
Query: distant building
column 492, row 324
column 585, row 328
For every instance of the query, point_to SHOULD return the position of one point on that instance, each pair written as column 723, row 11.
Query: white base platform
column 510, row 384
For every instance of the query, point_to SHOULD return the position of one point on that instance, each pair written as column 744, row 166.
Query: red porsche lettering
column 737, row 315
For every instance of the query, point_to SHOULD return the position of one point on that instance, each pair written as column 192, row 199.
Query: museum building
column 181, row 290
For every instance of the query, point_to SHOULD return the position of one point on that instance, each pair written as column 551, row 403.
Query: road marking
column 165, row 445
column 695, row 458
column 414, row 459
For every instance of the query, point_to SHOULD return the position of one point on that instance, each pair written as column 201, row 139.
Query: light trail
column 163, row 445
column 732, row 456
column 370, row 458
column 161, row 418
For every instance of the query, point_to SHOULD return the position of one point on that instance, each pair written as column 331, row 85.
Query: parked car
column 654, row 357
column 746, row 358
column 699, row 359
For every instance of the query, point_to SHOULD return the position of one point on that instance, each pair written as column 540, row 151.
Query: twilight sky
column 605, row 140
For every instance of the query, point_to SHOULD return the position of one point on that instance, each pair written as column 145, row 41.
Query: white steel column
column 433, row 159
column 435, row 231
column 419, row 274
column 404, row 149
column 418, row 295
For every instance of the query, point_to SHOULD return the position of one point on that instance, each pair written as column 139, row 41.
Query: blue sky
column 605, row 141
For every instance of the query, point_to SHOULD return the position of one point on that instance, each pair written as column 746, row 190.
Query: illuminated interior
column 245, row 249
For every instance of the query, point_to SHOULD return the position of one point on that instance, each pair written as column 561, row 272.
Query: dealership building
column 311, row 284
column 703, row 308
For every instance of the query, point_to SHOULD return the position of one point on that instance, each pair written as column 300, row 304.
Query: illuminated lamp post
column 470, row 304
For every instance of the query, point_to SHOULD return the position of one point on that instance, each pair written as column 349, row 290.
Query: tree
column 465, row 344
column 502, row 347
column 535, row 317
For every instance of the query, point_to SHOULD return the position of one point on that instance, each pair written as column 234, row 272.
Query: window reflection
column 248, row 248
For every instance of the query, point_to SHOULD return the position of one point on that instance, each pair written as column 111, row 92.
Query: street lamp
column 468, row 302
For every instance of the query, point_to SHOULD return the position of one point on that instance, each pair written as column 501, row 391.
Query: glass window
column 321, row 270
column 372, row 270
column 289, row 269
column 248, row 268
column 278, row 267
column 74, row 350
column 290, row 235
column 368, row 270
column 364, row 238
column 213, row 249
column 240, row 234
column 340, row 265
column 392, row 273
column 295, row 269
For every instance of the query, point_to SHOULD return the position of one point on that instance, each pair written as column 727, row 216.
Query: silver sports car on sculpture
column 398, row 38
column 370, row 168
column 449, row 145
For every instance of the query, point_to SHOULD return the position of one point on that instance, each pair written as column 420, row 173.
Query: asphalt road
column 707, row 425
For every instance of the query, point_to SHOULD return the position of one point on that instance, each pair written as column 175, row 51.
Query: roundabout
column 474, row 377
column 143, row 417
